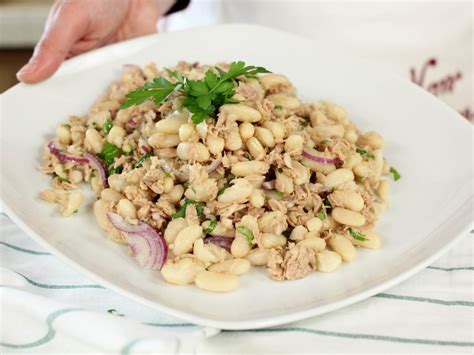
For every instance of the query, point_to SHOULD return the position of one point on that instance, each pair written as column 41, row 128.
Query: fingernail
column 28, row 68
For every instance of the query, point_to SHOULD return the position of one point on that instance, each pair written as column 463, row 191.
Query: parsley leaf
column 279, row 195
column 357, row 235
column 202, row 97
column 109, row 153
column 60, row 179
column 108, row 126
column 365, row 154
column 396, row 175
column 117, row 170
column 247, row 232
column 212, row 225
column 321, row 215
column 140, row 162
column 181, row 213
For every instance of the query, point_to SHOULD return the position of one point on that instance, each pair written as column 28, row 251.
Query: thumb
column 60, row 35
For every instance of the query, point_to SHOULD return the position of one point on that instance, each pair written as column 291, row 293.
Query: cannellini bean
column 74, row 200
column 333, row 111
column 116, row 136
column 258, row 256
column 59, row 170
column 253, row 167
column 240, row 246
column 77, row 137
column 314, row 224
column 173, row 228
column 294, row 144
column 255, row 148
column 182, row 272
column 233, row 140
column 372, row 239
column 298, row 233
column 271, row 81
column 237, row 193
column 220, row 229
column 168, row 184
column 327, row 261
column 192, row 151
column 63, row 133
column 348, row 199
column 379, row 207
column 185, row 239
column 171, row 125
column 348, row 217
column 164, row 140
column 372, row 139
column 284, row 183
column 235, row 266
column 265, row 137
column 126, row 209
column 329, row 223
column 240, row 112
column 363, row 169
column 111, row 195
column 278, row 130
column 287, row 102
column 343, row 247
column 75, row 176
column 338, row 177
column 117, row 182
column 246, row 130
column 97, row 119
column 100, row 212
column 176, row 193
column 329, row 131
column 272, row 241
column 94, row 140
column 384, row 190
column 378, row 163
column 257, row 198
column 201, row 129
column 204, row 252
column 302, row 173
column 215, row 144
column 352, row 160
column 187, row 133
column 96, row 185
column 216, row 281
column 351, row 136
column 315, row 243
column 273, row 222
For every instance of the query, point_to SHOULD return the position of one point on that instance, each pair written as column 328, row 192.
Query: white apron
column 428, row 42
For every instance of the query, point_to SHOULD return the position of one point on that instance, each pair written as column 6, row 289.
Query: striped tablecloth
column 47, row 307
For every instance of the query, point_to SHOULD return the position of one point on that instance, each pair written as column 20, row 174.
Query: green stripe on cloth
column 359, row 336
column 466, row 268
column 171, row 325
column 56, row 287
column 425, row 299
column 48, row 336
column 24, row 250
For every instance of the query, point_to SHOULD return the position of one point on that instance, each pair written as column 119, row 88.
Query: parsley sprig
column 201, row 97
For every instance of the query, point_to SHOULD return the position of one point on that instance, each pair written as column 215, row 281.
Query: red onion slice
column 147, row 244
column 99, row 166
column 311, row 156
column 132, row 123
column 268, row 185
column 65, row 157
column 223, row 242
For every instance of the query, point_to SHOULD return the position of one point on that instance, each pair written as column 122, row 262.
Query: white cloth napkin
column 47, row 307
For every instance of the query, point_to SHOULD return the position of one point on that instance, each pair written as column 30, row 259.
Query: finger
column 66, row 25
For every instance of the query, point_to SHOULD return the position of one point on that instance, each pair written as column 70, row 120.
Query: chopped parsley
column 279, row 194
column 140, row 162
column 107, row 126
column 118, row 170
column 287, row 233
column 61, row 179
column 201, row 97
column 396, row 175
column 181, row 213
column 167, row 174
column 278, row 107
column 357, row 235
column 109, row 153
column 93, row 174
column 247, row 232
column 365, row 154
column 212, row 225
column 321, row 215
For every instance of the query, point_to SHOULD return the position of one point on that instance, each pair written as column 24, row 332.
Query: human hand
column 77, row 26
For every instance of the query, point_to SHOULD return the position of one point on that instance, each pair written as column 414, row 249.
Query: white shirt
column 430, row 43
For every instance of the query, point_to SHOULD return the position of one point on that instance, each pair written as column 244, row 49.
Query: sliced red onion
column 311, row 156
column 223, row 242
column 65, row 157
column 146, row 243
column 131, row 122
column 99, row 166
column 146, row 149
column 214, row 165
column 268, row 185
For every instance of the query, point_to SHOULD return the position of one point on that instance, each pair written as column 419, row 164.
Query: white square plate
column 428, row 142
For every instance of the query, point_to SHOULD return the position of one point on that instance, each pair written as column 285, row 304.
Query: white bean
column 294, row 144
column 220, row 229
column 240, row 112
column 265, row 137
column 116, row 136
column 255, row 148
column 215, row 144
column 351, row 136
column 343, row 247
column 187, row 133
column 126, row 209
column 348, row 217
column 272, row 81
column 315, row 243
column 171, row 125
column 257, row 198
column 240, row 246
column 258, row 256
column 384, row 190
column 246, row 130
column 216, row 282
column 75, row 176
column 173, row 228
column 94, row 140
column 338, row 177
column 97, row 119
column 235, row 266
column 371, row 139
column 233, row 140
column 284, row 183
column 272, row 241
column 192, row 151
column 111, row 195
column 237, row 193
column 278, row 130
column 329, row 131
column 164, row 140
column 348, row 199
column 314, row 224
column 287, row 102
column 185, row 239
column 63, row 133
column 74, row 200
column 302, row 173
column 327, row 261
column 298, row 233
column 273, row 222
column 182, row 272
column 246, row 168
column 372, row 239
